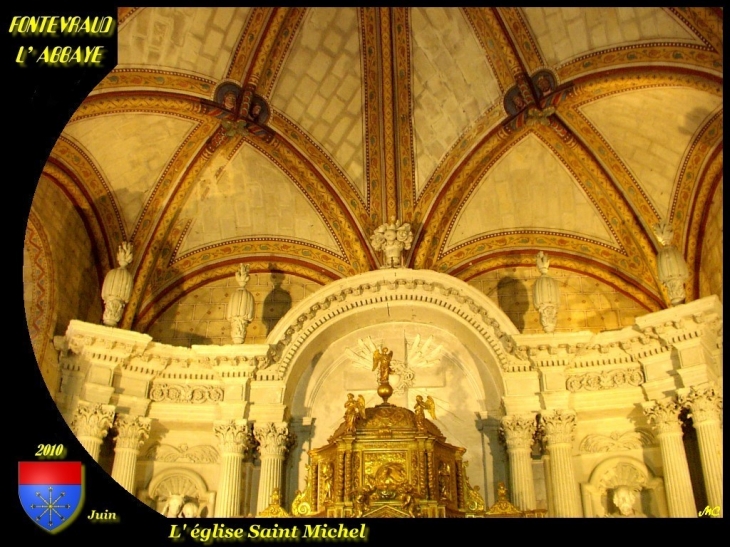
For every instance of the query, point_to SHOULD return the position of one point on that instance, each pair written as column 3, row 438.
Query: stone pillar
column 519, row 434
column 557, row 428
column 132, row 432
column 665, row 418
column 90, row 424
column 274, row 441
column 234, row 436
column 705, row 405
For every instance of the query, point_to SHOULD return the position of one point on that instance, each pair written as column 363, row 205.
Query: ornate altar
column 386, row 461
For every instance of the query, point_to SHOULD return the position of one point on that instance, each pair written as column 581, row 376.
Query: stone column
column 235, row 440
column 705, row 405
column 274, row 441
column 90, row 424
column 519, row 434
column 132, row 432
column 557, row 428
column 665, row 418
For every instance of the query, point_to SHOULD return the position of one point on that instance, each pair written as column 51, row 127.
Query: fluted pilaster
column 90, row 424
column 274, row 441
column 235, row 440
column 519, row 435
column 705, row 406
column 665, row 418
column 132, row 432
column 557, row 428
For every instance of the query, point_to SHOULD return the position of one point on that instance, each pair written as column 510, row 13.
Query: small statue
column 381, row 363
column 117, row 287
column 392, row 239
column 444, row 481
column 354, row 409
column 671, row 265
column 327, row 475
column 190, row 510
column 361, row 500
column 409, row 499
column 624, row 498
column 274, row 509
column 421, row 407
column 241, row 306
column 174, row 506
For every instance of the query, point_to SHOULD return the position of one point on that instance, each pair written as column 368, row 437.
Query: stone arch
column 387, row 296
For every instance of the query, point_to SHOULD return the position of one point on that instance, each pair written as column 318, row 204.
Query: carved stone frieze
column 92, row 420
column 616, row 441
column 557, row 426
column 132, row 431
column 235, row 436
column 595, row 381
column 202, row 453
column 184, row 393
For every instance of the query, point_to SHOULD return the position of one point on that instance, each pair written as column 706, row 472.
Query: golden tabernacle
column 387, row 461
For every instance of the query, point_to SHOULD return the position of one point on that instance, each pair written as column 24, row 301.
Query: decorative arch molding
column 382, row 296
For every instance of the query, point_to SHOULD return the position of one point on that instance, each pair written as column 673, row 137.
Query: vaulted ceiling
column 496, row 132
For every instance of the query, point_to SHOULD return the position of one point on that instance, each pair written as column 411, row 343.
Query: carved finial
column 543, row 263
column 242, row 275
column 664, row 232
column 124, row 254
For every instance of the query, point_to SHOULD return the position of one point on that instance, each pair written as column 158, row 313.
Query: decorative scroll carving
column 704, row 403
column 557, row 426
column 183, row 393
column 235, row 436
column 201, row 453
column 617, row 440
column 92, row 420
column 273, row 438
column 664, row 415
column 518, row 431
column 596, row 381
column 132, row 432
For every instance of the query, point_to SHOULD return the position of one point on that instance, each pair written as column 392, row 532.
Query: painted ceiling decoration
column 286, row 135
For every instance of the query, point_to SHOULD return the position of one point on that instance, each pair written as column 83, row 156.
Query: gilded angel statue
column 421, row 407
column 354, row 409
column 381, row 363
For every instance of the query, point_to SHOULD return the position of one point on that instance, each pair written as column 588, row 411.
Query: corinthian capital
column 663, row 415
column 92, row 419
column 132, row 431
column 557, row 426
column 273, row 438
column 704, row 402
column 234, row 435
column 518, row 431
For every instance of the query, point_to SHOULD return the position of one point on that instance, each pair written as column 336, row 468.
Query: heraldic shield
column 51, row 493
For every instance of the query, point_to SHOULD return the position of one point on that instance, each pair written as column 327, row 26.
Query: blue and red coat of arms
column 51, row 493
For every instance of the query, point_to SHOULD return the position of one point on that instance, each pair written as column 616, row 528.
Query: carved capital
column 704, row 403
column 132, row 431
column 664, row 416
column 274, row 438
column 234, row 435
column 92, row 420
column 557, row 426
column 518, row 431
